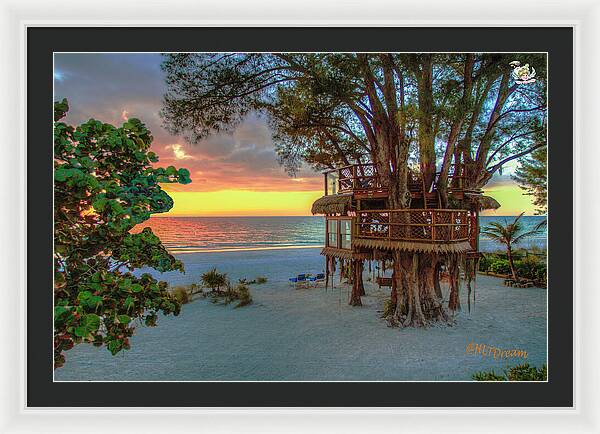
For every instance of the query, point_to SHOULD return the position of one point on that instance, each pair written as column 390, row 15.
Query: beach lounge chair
column 315, row 280
column 299, row 280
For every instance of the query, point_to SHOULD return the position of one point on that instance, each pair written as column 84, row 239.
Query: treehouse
column 361, row 226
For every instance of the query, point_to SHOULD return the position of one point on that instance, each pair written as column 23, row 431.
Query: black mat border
column 43, row 41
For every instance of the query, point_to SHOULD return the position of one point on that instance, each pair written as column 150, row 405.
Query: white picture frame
column 17, row 15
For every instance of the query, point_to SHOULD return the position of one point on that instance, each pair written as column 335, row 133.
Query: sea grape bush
column 104, row 185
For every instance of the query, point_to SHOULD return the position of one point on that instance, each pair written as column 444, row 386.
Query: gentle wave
column 230, row 234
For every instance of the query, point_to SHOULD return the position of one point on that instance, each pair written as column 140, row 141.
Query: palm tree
column 509, row 235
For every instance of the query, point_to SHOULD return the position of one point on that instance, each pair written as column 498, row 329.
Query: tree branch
column 497, row 166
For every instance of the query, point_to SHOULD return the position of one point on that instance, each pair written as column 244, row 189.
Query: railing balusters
column 379, row 224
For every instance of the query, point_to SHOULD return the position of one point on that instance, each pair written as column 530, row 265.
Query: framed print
column 344, row 219
column 401, row 164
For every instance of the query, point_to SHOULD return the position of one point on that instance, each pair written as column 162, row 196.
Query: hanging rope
column 326, row 272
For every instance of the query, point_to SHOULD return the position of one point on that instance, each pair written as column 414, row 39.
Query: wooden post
column 325, row 177
column 433, row 226
column 354, row 177
column 389, row 225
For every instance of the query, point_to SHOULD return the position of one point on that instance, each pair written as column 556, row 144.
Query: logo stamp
column 522, row 74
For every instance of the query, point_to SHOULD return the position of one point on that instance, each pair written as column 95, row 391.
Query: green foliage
column 104, row 185
column 182, row 294
column 484, row 262
column 239, row 292
column 500, row 266
column 516, row 373
column 258, row 281
column 214, row 280
column 527, row 373
column 242, row 294
column 532, row 175
column 488, row 376
column 327, row 109
column 530, row 265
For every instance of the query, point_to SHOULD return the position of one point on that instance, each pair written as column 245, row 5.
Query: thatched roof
column 413, row 246
column 345, row 254
column 484, row 202
column 334, row 204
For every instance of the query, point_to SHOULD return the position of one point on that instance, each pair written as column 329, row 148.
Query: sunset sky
column 232, row 174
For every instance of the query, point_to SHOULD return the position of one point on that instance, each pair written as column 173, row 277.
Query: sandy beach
column 311, row 334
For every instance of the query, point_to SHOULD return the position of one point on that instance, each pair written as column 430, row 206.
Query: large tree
column 393, row 110
column 104, row 185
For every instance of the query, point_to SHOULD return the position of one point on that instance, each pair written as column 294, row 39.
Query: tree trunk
column 356, row 283
column 436, row 282
column 510, row 262
column 361, row 285
column 417, row 303
column 454, row 275
column 394, row 290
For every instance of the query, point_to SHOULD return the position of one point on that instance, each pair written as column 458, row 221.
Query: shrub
column 214, row 280
column 229, row 295
column 181, row 294
column 239, row 292
column 488, row 376
column 531, row 267
column 484, row 263
column 243, row 295
column 260, row 280
column 516, row 373
column 527, row 373
column 500, row 266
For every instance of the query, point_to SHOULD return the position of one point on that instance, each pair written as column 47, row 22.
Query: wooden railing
column 357, row 177
column 421, row 225
column 364, row 178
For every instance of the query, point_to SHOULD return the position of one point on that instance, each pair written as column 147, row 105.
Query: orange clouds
column 243, row 159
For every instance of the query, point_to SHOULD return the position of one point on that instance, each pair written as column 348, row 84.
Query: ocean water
column 216, row 234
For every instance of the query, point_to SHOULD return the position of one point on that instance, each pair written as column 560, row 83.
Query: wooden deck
column 426, row 230
column 417, row 225
column 363, row 182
